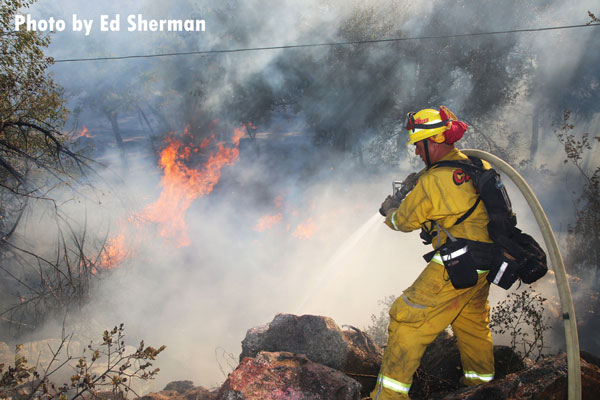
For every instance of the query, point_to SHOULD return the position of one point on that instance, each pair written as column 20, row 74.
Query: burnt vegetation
column 106, row 369
column 583, row 235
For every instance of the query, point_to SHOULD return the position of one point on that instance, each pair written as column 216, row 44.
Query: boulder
column 6, row 355
column 440, row 370
column 590, row 358
column 284, row 375
column 322, row 341
column 179, row 386
column 545, row 380
column 182, row 390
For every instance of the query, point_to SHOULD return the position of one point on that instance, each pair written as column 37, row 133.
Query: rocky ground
column 310, row 358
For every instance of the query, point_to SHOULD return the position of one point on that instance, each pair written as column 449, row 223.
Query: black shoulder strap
column 469, row 211
column 447, row 163
column 476, row 161
column 473, row 165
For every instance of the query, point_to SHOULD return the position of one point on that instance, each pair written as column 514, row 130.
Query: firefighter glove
column 407, row 185
column 411, row 180
column 390, row 203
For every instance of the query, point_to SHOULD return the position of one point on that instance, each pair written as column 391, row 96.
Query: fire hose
column 560, row 275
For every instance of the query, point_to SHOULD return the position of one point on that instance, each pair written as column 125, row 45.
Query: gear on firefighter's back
column 432, row 303
column 442, row 195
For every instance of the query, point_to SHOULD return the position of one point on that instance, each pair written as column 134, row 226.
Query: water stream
column 336, row 261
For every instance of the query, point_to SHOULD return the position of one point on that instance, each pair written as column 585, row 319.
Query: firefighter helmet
column 428, row 123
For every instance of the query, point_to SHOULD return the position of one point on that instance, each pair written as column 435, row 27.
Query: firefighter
column 440, row 197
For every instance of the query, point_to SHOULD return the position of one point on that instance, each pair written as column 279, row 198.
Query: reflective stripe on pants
column 392, row 384
column 425, row 309
column 481, row 377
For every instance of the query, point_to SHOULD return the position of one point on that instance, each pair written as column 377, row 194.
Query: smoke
column 325, row 123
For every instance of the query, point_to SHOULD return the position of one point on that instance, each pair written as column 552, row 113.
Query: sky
column 289, row 227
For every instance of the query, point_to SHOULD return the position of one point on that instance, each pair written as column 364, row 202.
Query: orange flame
column 206, row 141
column 238, row 133
column 115, row 252
column 182, row 184
column 278, row 201
column 267, row 222
column 83, row 133
column 305, row 229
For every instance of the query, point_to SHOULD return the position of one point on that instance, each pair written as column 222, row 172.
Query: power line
column 329, row 44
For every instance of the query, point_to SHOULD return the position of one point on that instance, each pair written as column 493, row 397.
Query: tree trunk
column 359, row 150
column 151, row 135
column 166, row 127
column 535, row 132
column 112, row 117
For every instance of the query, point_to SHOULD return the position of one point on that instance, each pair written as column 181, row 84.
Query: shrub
column 521, row 316
column 107, row 367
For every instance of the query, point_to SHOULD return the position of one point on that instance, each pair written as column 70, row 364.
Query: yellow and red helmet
column 428, row 123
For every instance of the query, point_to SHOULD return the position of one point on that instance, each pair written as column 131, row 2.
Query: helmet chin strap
column 426, row 146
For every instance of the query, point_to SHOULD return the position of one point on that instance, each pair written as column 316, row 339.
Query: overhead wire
column 325, row 44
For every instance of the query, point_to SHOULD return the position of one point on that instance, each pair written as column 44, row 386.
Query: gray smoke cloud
column 291, row 226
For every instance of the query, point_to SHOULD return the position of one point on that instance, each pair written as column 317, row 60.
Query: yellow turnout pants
column 420, row 314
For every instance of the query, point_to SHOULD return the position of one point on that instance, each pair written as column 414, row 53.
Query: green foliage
column 35, row 159
column 31, row 113
column 378, row 330
column 106, row 367
column 521, row 317
column 31, row 104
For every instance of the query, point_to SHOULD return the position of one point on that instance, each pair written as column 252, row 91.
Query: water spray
column 399, row 191
column 335, row 261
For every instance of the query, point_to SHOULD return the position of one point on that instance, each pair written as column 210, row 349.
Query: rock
column 179, row 386
column 182, row 390
column 590, row 358
column 284, row 375
column 507, row 361
column 440, row 371
column 322, row 341
column 545, row 380
column 6, row 355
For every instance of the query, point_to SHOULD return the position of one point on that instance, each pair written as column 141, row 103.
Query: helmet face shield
column 410, row 121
